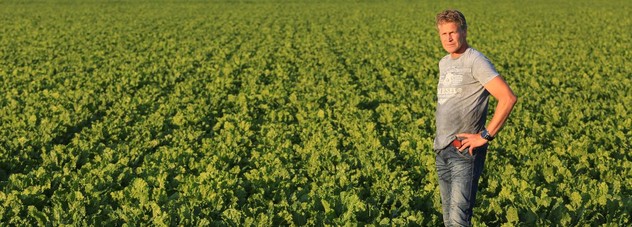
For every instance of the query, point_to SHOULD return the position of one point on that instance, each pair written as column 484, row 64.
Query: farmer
column 466, row 79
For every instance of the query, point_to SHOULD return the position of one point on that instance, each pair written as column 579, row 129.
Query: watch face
column 485, row 134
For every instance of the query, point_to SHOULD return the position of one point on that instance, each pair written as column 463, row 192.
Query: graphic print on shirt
column 449, row 85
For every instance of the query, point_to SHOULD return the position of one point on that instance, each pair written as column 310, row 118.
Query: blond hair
column 454, row 16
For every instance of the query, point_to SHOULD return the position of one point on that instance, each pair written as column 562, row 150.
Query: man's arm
column 498, row 88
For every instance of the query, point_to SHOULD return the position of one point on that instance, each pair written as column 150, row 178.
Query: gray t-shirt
column 461, row 98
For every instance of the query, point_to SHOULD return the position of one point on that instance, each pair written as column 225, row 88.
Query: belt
column 456, row 143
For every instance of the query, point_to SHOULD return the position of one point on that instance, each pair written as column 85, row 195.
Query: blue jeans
column 458, row 182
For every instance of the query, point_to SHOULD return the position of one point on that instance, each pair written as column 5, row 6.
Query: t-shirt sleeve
column 483, row 70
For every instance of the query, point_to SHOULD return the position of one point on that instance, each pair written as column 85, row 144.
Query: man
column 466, row 80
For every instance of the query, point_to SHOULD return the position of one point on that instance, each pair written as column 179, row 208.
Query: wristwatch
column 485, row 134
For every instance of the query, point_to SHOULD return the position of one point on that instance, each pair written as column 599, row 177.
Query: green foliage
column 240, row 113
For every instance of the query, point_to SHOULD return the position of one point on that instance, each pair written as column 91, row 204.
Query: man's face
column 452, row 37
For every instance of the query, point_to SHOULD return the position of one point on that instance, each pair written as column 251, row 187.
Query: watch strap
column 485, row 134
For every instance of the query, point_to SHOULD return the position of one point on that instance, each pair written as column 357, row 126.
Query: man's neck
column 459, row 52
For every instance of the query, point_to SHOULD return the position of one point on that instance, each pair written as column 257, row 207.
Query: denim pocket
column 465, row 153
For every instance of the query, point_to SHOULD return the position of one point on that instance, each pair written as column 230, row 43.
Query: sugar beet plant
column 302, row 113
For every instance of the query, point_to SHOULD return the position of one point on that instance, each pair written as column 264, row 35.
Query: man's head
column 452, row 31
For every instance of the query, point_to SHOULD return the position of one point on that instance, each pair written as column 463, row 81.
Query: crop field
column 292, row 113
